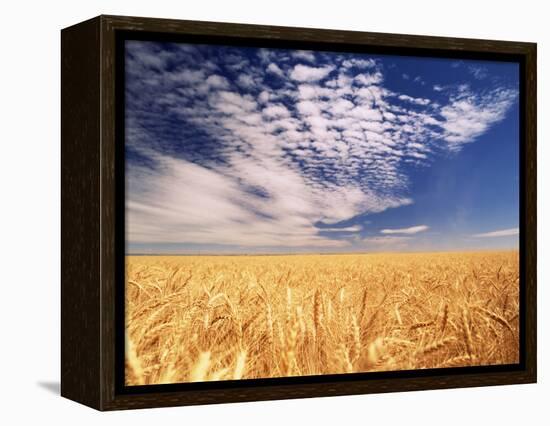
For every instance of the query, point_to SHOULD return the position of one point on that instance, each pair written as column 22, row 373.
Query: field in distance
column 202, row 318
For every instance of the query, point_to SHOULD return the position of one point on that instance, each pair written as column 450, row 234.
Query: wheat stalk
column 202, row 318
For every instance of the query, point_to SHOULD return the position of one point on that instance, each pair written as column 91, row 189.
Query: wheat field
column 204, row 318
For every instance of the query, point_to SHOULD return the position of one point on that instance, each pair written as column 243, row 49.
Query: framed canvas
column 254, row 212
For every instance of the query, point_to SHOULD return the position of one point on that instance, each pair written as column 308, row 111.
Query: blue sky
column 248, row 150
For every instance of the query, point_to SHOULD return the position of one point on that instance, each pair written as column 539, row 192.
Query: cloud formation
column 269, row 148
column 304, row 73
column 354, row 228
column 500, row 233
column 469, row 115
column 407, row 231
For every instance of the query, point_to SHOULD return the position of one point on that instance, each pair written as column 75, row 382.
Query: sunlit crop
column 199, row 318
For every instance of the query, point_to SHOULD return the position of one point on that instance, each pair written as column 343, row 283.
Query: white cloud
column 366, row 113
column 369, row 79
column 304, row 73
column 407, row 231
column 273, row 68
column 276, row 111
column 217, row 82
column 187, row 76
column 469, row 115
column 417, row 101
column 479, row 72
column 341, row 107
column 244, row 103
column 308, row 108
column 246, row 81
column 500, row 233
column 418, row 155
column 359, row 63
column 304, row 55
column 354, row 228
column 264, row 96
column 226, row 210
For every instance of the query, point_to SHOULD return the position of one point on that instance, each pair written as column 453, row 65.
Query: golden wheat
column 200, row 318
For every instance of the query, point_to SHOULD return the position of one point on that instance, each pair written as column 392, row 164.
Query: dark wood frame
column 91, row 215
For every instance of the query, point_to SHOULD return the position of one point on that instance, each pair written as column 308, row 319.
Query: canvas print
column 301, row 213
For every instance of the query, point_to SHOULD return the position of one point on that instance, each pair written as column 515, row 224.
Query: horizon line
column 326, row 253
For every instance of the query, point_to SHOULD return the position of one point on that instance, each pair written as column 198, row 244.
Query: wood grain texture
column 529, row 192
column 89, row 207
column 80, row 211
column 422, row 44
column 108, row 212
column 243, row 394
